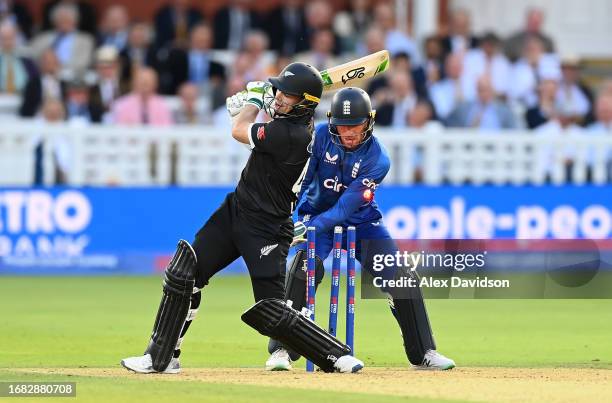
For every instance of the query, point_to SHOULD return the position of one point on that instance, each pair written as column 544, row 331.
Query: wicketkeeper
column 347, row 165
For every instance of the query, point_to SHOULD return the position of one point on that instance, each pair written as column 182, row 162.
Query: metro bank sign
column 39, row 223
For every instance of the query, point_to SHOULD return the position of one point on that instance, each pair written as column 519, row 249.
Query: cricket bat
column 355, row 71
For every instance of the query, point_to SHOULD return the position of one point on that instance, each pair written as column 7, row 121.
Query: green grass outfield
column 91, row 322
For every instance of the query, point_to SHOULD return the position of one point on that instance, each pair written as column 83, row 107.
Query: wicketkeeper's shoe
column 143, row 365
column 348, row 364
column 435, row 361
column 279, row 361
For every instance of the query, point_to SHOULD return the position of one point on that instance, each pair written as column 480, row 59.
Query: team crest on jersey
column 331, row 159
column 355, row 170
column 265, row 251
column 261, row 133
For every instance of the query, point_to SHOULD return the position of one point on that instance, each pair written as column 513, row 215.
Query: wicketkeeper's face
column 352, row 136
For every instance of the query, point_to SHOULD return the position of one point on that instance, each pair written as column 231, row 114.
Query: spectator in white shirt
column 572, row 97
column 535, row 65
column 53, row 113
column 486, row 60
column 449, row 92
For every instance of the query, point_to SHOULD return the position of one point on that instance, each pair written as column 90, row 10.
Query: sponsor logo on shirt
column 334, row 184
column 330, row 159
column 261, row 133
column 265, row 251
column 369, row 183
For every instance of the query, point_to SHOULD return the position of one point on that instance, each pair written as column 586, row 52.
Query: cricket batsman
column 254, row 222
column 346, row 166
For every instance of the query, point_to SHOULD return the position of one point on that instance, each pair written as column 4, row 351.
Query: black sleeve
column 272, row 138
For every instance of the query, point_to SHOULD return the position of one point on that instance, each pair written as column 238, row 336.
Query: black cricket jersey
column 274, row 172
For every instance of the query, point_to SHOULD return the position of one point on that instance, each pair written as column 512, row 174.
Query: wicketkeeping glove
column 255, row 93
column 299, row 233
column 235, row 103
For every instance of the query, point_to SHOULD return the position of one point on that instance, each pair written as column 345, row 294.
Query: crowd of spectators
column 179, row 67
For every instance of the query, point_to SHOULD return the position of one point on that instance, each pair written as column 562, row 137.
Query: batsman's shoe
column 348, row 364
column 279, row 361
column 143, row 365
column 435, row 361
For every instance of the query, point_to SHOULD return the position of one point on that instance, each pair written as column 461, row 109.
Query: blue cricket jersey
column 337, row 181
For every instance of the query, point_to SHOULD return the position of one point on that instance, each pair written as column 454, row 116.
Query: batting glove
column 299, row 233
column 268, row 98
column 235, row 103
column 255, row 93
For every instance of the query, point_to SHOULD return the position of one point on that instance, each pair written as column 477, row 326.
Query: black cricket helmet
column 298, row 79
column 351, row 106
